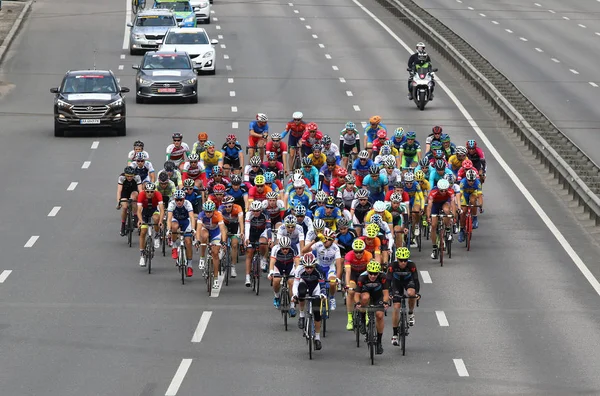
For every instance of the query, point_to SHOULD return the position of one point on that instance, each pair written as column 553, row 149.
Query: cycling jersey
column 331, row 219
column 296, row 236
column 436, row 197
column 434, row 177
column 256, row 195
column 278, row 167
column 309, row 141
column 238, row 195
column 398, row 143
column 256, row 225
column 178, row 154
column 449, row 151
column 405, row 196
column 466, row 190
column 294, row 199
column 425, row 186
column 211, row 223
column 145, row 203
column 192, row 171
column 376, row 184
column 231, row 152
column 349, row 139
column 431, row 139
column 132, row 153
column 129, row 186
column 276, row 213
column 144, row 171
column 386, row 216
column 279, row 150
column 180, row 213
column 477, row 158
column 371, row 132
column 401, row 279
column 253, row 126
column 357, row 264
column 313, row 282
column 454, row 163
column 414, row 192
column 175, row 177
column 231, row 217
column 345, row 240
column 318, row 161
column 250, row 173
column 326, row 257
column 393, row 175
column 375, row 287
column 211, row 183
column 361, row 170
column 333, row 151
column 409, row 153
column 347, row 195
column 360, row 211
column 295, row 130
column 312, row 175
column 284, row 262
column 198, row 148
column 373, row 245
column 166, row 191
column 209, row 161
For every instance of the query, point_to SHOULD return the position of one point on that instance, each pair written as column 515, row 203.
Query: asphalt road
column 78, row 316
column 547, row 48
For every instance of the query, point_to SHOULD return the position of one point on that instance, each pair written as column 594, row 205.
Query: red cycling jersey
column 463, row 171
column 308, row 141
column 436, row 197
column 279, row 150
column 143, row 200
column 355, row 263
column 254, row 194
column 405, row 196
column 296, row 130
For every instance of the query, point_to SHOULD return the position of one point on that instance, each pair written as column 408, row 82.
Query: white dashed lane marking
column 296, row 12
column 54, row 211
column 218, row 27
column 334, row 67
column 461, row 369
column 95, row 145
column 424, row 274
column 122, row 56
column 72, row 186
column 223, row 46
column 220, row 37
column 31, row 241
column 356, row 108
column 322, row 45
column 302, row 19
column 201, row 328
column 121, row 67
column 349, row 93
column 225, row 56
column 86, row 164
column 230, row 80
column 4, row 275
column 441, row 317
column 523, row 39
column 496, row 22
column 234, row 125
column 315, row 36
column 228, row 67
column 216, row 19
column 184, row 366
column 508, row 31
column 308, row 27
column 327, row 56
column 593, row 84
column 566, row 18
column 555, row 60
column 471, row 8
column 573, row 71
column 552, row 11
column 582, row 26
column 483, row 15
column 342, row 80
column 539, row 49
column 231, row 93
column 234, row 109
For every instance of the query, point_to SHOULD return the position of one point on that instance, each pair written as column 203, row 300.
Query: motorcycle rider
column 422, row 60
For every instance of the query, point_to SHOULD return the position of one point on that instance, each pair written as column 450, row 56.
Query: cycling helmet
column 443, row 184
column 194, row 157
column 330, row 160
column 376, row 219
column 390, row 162
column 341, row 172
column 306, row 161
column 471, row 144
column 228, row 199
column 374, row 169
column 461, row 150
column 362, row 193
column 450, row 177
column 440, row 164
column 308, row 260
column 411, row 135
column 330, row 203
column 236, row 180
column 297, row 115
column 445, row 137
column 372, row 230
column 436, row 129
column 217, row 171
column 179, row 194
column 272, row 195
column 139, row 157
column 424, row 163
column 285, row 242
column 275, row 136
column 435, row 145
column 375, row 119
column 177, row 135
column 209, row 206
column 381, row 134
column 259, row 180
column 219, row 189
column 188, row 183
column 202, row 136
column 270, row 177
column 317, row 147
column 358, row 245
column 364, row 154
column 350, row 179
column 326, row 140
column 350, row 126
column 321, row 196
column 209, row 143
column 402, row 253
column 373, row 267
column 386, row 150
column 299, row 172
column 290, row 220
column 299, row 183
column 300, row 210
column 467, row 163
column 272, row 156
column 255, row 161
column 419, row 175
column 312, row 126
column 399, row 132
column 471, row 175
column 231, row 138
column 438, row 153
column 379, row 206
column 262, row 117
column 327, row 233
column 256, row 205
column 163, row 177
column 395, row 197
column 169, row 166
column 138, row 143
column 150, row 187
column 342, row 222
column 409, row 177
column 399, row 184
column 130, row 171
column 319, row 224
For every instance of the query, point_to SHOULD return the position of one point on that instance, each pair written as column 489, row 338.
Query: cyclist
column 403, row 276
column 291, row 229
column 308, row 281
column 410, row 152
column 455, row 161
column 194, row 170
column 192, row 195
column 144, row 169
column 383, row 153
column 218, row 194
column 399, row 139
column 398, row 210
column 329, row 260
column 258, row 131
column 279, row 148
column 178, row 151
column 259, row 191
column 331, row 149
column 471, row 194
column 317, row 157
column 440, row 169
column 212, row 231
column 300, row 195
column 257, row 232
column 360, row 207
column 372, row 242
column 283, row 261
column 296, row 128
column 239, row 192
column 371, row 131
column 417, row 200
column 128, row 187
column 180, row 216
column 361, row 167
column 198, row 147
column 303, row 220
column 355, row 263
column 275, row 209
column 348, row 191
column 423, row 182
column 475, row 154
column 391, row 172
column 150, row 208
column 384, row 235
column 252, row 170
column 311, row 173
column 233, row 217
column 329, row 213
column 376, row 183
column 440, row 199
column 138, row 147
column 317, row 232
column 345, row 236
column 310, row 137
column 174, row 174
column 166, row 188
column 319, row 201
column 380, row 141
column 217, row 178
column 272, row 164
column 233, row 157
column 338, row 178
column 372, row 287
column 349, row 141
column 435, row 135
column 448, row 147
column 210, row 158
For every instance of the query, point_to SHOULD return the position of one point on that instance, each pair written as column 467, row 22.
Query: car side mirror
column 408, row 69
column 135, row 67
column 214, row 42
column 125, row 90
column 435, row 70
column 180, row 24
column 129, row 24
column 196, row 8
column 54, row 90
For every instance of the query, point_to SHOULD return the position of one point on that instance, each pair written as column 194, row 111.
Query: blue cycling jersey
column 434, row 177
column 193, row 197
column 303, row 199
column 397, row 143
column 312, row 176
column 253, row 126
column 232, row 152
column 371, row 133
column 375, row 185
column 362, row 170
column 237, row 194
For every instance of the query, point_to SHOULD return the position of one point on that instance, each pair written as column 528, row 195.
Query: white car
column 196, row 43
column 202, row 10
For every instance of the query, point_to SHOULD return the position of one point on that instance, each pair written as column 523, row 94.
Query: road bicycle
column 181, row 261
column 255, row 271
column 444, row 241
column 309, row 324
column 469, row 225
column 163, row 236
column 129, row 220
column 371, row 330
column 149, row 246
column 324, row 309
column 284, row 298
column 209, row 273
column 226, row 264
column 138, row 5
column 403, row 325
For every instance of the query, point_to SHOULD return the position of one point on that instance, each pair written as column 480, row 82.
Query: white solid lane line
column 342, row 80
column 86, row 164
column 201, row 328
column 349, row 93
column 441, row 317
column 234, row 125
column 573, row 71
column 426, row 277
column 54, row 211
column 597, row 33
column 334, row 67
column 356, row 108
column 127, row 20
column 230, row 80
column 234, row 109
column 4, row 275
column 511, row 174
column 31, row 241
column 95, row 145
column 461, row 369
column 72, row 186
column 184, row 366
column 593, row 84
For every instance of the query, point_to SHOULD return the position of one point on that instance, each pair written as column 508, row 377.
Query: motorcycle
column 422, row 83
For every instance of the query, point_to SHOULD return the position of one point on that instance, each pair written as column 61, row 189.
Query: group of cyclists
column 331, row 218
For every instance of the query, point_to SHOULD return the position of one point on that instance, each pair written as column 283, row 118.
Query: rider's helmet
column 373, row 267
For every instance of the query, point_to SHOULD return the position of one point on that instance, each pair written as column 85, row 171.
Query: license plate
column 89, row 121
column 167, row 90
column 151, row 42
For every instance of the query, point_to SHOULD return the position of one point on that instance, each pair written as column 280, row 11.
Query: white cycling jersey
column 296, row 236
column 132, row 153
column 326, row 257
column 177, row 154
column 333, row 151
column 349, row 139
column 393, row 176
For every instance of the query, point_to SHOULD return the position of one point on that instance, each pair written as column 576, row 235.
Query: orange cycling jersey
column 373, row 245
column 357, row 264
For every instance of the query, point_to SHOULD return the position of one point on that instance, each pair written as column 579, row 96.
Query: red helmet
column 381, row 134
column 436, row 129
column 230, row 138
column 467, row 163
column 342, row 172
column 312, row 126
column 219, row 188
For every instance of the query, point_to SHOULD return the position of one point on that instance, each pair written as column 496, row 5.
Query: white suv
column 202, row 10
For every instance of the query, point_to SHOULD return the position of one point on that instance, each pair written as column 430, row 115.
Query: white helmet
column 443, row 184
column 262, row 117
column 409, row 177
column 299, row 183
column 379, row 206
column 297, row 115
column 256, row 205
column 319, row 224
column 471, row 175
column 363, row 154
column 461, row 150
column 285, row 242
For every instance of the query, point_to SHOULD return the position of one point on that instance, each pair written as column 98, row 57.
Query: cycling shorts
column 147, row 214
column 184, row 225
column 347, row 149
column 232, row 228
column 328, row 270
column 253, row 141
column 436, row 207
column 214, row 235
column 408, row 161
column 398, row 289
column 293, row 140
column 282, row 269
column 233, row 162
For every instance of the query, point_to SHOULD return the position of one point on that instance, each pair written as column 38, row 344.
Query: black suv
column 89, row 99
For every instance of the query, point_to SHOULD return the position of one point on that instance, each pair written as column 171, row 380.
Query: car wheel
column 122, row 129
column 139, row 99
column 194, row 99
column 58, row 130
column 132, row 52
column 207, row 21
column 212, row 72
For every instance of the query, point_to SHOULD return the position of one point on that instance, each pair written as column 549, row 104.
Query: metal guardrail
column 575, row 171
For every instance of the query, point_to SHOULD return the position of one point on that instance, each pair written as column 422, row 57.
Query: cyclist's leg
column 215, row 247
column 203, row 239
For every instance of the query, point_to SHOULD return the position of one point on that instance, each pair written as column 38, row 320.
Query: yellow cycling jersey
column 319, row 161
column 387, row 216
column 425, row 186
column 454, row 162
column 211, row 161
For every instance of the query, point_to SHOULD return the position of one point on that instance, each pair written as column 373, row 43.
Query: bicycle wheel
column 209, row 272
column 355, row 322
column 182, row 264
column 311, row 335
column 285, row 306
column 148, row 252
column 371, row 337
column 134, row 6
column 441, row 238
column 163, row 240
column 256, row 273
column 227, row 265
column 469, row 231
column 403, row 331
column 449, row 248
column 129, row 225
column 324, row 318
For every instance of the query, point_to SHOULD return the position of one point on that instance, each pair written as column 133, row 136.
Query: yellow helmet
column 259, row 180
column 358, row 245
column 372, row 230
column 373, row 266
column 402, row 253
column 419, row 175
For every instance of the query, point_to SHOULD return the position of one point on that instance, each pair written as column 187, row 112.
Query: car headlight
column 142, row 81
column 203, row 5
column 116, row 103
column 190, row 18
column 138, row 36
column 191, row 81
column 209, row 54
column 63, row 105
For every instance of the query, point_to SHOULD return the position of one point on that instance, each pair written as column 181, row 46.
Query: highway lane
column 88, row 313
column 539, row 48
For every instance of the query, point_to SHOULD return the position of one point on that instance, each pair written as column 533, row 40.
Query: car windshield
column 186, row 38
column 176, row 6
column 155, row 20
column 89, row 84
column 166, row 61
